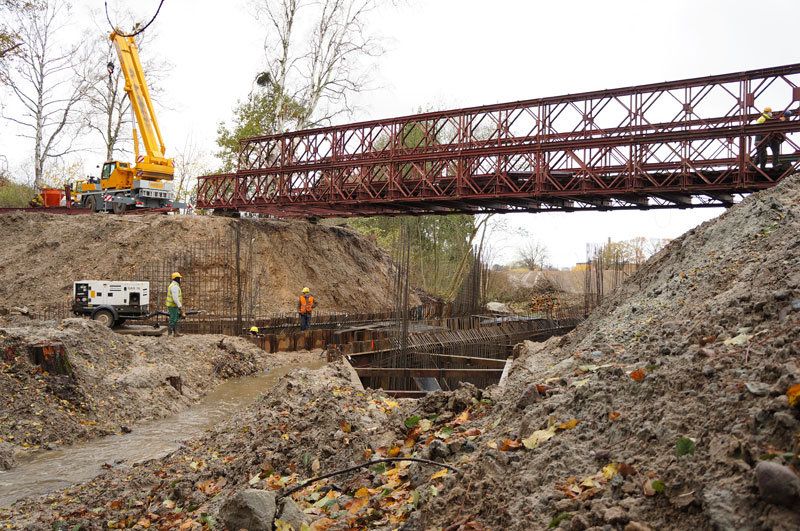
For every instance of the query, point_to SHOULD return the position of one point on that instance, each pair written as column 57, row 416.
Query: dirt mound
column 42, row 254
column 670, row 408
column 118, row 380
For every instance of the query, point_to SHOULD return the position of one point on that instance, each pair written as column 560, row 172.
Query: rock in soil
column 249, row 509
column 778, row 484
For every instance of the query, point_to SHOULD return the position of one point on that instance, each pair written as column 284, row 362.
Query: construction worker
column 304, row 306
column 175, row 304
column 773, row 142
column 254, row 331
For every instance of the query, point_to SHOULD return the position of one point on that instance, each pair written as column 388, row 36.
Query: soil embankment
column 674, row 406
column 41, row 255
column 117, row 380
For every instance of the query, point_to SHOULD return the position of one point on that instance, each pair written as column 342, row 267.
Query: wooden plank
column 429, row 373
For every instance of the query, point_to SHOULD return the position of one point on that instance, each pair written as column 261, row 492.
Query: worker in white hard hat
column 766, row 141
column 175, row 304
column 304, row 306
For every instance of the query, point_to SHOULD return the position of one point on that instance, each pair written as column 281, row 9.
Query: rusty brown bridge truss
column 688, row 143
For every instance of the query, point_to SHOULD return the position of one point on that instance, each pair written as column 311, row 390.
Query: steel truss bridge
column 677, row 144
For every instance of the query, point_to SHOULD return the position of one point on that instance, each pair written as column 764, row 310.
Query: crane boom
column 153, row 165
column 147, row 183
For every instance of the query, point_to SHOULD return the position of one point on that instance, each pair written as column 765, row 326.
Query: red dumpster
column 51, row 197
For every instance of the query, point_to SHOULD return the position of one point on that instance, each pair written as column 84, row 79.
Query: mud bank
column 118, row 380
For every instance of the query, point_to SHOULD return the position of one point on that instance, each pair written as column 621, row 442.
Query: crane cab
column 116, row 176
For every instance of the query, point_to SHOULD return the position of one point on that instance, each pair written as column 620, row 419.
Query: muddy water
column 48, row 471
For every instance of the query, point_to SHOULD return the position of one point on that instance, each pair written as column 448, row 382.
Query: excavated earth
column 41, row 255
column 673, row 406
column 117, row 380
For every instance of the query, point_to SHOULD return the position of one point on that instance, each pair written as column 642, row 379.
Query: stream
column 48, row 471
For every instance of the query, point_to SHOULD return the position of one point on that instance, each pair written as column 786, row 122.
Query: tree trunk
column 52, row 358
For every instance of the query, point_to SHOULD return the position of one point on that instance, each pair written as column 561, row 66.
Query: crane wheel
column 119, row 208
column 104, row 317
column 90, row 202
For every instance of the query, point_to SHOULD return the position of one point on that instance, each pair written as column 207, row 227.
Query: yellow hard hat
column 254, row 329
column 767, row 109
column 306, row 290
column 176, row 275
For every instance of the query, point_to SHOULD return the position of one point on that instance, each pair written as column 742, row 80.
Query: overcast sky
column 455, row 53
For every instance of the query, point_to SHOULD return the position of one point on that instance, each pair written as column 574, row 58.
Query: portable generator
column 111, row 302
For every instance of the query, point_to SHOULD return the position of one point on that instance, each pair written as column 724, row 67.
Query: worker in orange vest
column 304, row 306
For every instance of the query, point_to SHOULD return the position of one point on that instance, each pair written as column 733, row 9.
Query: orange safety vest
column 306, row 303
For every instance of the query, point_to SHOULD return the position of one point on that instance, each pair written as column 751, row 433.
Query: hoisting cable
column 137, row 32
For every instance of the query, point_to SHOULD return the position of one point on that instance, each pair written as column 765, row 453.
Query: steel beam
column 428, row 373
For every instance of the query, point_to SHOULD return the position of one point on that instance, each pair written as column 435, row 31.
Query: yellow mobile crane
column 148, row 183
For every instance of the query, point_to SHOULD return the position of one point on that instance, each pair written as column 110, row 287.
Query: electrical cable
column 137, row 32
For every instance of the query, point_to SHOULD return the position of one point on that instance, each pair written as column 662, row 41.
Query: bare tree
column 47, row 83
column 311, row 73
column 189, row 162
column 533, row 254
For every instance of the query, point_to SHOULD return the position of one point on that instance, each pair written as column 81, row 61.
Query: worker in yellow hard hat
column 304, row 306
column 253, row 330
column 766, row 141
column 175, row 304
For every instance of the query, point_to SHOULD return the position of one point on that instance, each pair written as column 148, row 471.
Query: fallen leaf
column 440, row 474
column 568, row 425
column 614, row 415
column 741, row 339
column 589, row 483
column 412, row 421
column 538, row 437
column 356, row 505
column 394, row 451
column 315, row 466
column 794, row 395
column 638, row 375
column 363, row 492
column 445, row 432
column 610, row 470
column 321, row 525
column 625, row 469
column 509, row 445
column 345, row 427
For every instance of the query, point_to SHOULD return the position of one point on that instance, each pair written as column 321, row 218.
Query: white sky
column 455, row 53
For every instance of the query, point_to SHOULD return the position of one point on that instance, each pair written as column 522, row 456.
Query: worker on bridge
column 175, row 304
column 771, row 141
column 304, row 306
